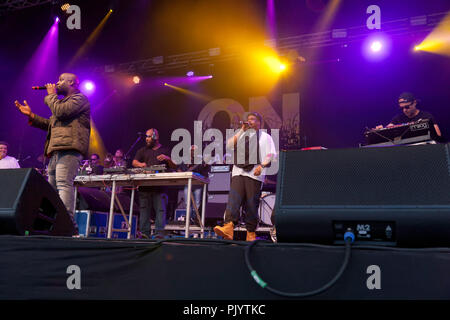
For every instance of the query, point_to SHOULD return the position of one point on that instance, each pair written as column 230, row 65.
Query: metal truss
column 12, row 5
column 413, row 26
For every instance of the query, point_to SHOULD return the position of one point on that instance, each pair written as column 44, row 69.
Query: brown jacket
column 69, row 126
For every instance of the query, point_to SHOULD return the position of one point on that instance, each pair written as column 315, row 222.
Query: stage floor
column 39, row 267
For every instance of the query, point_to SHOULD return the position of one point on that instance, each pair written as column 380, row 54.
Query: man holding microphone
column 68, row 131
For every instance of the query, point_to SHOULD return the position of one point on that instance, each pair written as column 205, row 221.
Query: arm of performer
column 438, row 131
column 138, row 164
column 231, row 143
column 33, row 119
column 163, row 157
column 63, row 109
column 269, row 154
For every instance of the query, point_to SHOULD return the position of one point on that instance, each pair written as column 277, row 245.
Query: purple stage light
column 190, row 73
column 87, row 87
column 57, row 20
column 376, row 47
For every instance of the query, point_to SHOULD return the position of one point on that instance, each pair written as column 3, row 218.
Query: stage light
column 87, row 87
column 274, row 64
column 57, row 20
column 437, row 42
column 190, row 73
column 65, row 6
column 136, row 79
column 165, row 83
column 376, row 46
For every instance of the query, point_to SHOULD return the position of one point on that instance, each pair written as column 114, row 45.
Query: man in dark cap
column 408, row 104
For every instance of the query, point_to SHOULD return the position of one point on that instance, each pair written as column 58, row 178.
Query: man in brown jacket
column 68, row 131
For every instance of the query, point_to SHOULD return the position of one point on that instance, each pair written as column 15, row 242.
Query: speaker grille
column 408, row 175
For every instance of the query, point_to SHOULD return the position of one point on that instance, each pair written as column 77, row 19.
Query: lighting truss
column 12, row 5
column 394, row 28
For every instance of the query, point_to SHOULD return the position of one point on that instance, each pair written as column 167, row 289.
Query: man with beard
column 68, row 130
column 152, row 197
column 247, row 175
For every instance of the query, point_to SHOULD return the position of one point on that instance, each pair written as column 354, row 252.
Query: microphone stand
column 131, row 148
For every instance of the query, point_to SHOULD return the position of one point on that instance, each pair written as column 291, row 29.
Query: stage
column 64, row 268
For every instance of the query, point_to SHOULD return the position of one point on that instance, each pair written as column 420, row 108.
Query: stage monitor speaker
column 29, row 204
column 390, row 196
column 216, row 205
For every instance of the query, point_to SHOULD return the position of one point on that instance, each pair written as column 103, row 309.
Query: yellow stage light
column 65, row 6
column 438, row 41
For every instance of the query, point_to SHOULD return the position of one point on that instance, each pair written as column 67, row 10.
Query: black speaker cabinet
column 29, row 204
column 387, row 195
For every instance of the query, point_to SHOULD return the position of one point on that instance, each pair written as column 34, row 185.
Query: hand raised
column 24, row 109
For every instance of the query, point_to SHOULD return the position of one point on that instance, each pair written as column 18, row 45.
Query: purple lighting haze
column 42, row 67
column 271, row 19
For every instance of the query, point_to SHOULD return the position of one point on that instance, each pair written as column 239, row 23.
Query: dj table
column 135, row 180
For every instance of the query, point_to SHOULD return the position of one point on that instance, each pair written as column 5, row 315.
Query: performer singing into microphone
column 247, row 176
column 68, row 130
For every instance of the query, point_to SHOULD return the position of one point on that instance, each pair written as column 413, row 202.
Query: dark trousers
column 149, row 200
column 244, row 190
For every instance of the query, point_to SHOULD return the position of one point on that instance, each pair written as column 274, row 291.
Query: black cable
column 348, row 240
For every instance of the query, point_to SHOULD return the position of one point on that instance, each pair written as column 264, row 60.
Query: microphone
column 39, row 88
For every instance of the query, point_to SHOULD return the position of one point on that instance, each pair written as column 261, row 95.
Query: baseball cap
column 406, row 97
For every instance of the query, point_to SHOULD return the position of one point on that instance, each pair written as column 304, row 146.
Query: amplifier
column 219, row 181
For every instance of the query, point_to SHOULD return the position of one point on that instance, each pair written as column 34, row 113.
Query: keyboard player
column 410, row 113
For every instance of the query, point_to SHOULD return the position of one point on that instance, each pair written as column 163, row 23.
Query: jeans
column 147, row 201
column 62, row 169
column 197, row 191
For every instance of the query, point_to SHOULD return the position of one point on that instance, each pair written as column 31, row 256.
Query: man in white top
column 254, row 150
column 7, row 162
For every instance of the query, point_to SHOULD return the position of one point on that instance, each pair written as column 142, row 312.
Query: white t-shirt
column 266, row 147
column 9, row 163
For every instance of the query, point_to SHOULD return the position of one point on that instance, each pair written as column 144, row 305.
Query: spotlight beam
column 189, row 92
column 90, row 41
column 438, row 41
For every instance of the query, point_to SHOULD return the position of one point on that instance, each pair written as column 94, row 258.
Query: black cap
column 256, row 114
column 406, row 97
